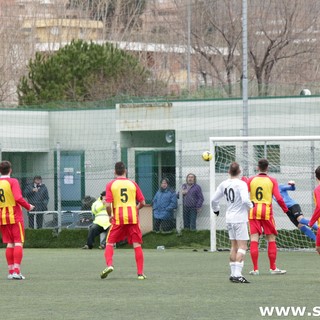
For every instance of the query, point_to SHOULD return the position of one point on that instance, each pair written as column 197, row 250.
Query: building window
column 55, row 31
column 270, row 152
column 224, row 155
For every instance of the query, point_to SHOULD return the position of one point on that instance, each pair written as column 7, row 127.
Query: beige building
column 61, row 30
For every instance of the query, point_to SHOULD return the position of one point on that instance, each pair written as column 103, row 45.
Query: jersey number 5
column 124, row 195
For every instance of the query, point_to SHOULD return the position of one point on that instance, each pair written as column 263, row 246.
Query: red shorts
column 118, row 233
column 318, row 238
column 12, row 233
column 262, row 226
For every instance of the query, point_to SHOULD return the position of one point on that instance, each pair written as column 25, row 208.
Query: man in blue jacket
column 164, row 203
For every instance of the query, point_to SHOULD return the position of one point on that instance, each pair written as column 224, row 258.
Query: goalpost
column 290, row 158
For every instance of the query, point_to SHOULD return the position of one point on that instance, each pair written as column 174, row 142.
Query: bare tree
column 282, row 33
column 283, row 42
column 120, row 17
column 12, row 52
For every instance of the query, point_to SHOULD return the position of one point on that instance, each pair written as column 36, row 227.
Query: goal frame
column 213, row 142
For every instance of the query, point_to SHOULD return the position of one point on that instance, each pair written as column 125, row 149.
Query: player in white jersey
column 235, row 192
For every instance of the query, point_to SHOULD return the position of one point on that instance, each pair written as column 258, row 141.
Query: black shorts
column 293, row 214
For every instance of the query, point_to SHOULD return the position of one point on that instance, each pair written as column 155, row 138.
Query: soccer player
column 124, row 198
column 262, row 188
column 11, row 222
column 295, row 214
column 316, row 214
column 235, row 192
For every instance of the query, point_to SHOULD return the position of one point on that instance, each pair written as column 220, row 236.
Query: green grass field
column 181, row 284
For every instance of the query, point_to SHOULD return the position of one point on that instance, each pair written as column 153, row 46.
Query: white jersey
column 235, row 192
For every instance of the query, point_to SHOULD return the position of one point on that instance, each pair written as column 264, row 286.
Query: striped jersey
column 124, row 194
column 262, row 187
column 316, row 214
column 11, row 201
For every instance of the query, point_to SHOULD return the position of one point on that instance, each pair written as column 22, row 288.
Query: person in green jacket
column 101, row 223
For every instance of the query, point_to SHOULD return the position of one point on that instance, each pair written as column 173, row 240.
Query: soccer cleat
column 231, row 278
column 18, row 276
column 254, row 272
column 85, row 247
column 277, row 271
column 106, row 271
column 142, row 277
column 240, row 279
column 10, row 276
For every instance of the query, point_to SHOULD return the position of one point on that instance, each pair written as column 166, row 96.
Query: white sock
column 238, row 269
column 232, row 268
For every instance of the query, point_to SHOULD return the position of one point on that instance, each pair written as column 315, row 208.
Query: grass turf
column 182, row 284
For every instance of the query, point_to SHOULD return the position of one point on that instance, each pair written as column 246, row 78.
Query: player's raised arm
column 277, row 195
column 216, row 199
column 245, row 197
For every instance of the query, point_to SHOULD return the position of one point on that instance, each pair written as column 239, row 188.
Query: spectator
column 101, row 223
column 192, row 201
column 37, row 194
column 87, row 203
column 164, row 203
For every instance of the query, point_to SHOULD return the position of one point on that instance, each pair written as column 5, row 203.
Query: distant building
column 61, row 30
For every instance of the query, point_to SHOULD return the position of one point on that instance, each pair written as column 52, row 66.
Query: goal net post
column 290, row 158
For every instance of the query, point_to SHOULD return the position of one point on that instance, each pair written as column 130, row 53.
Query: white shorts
column 238, row 231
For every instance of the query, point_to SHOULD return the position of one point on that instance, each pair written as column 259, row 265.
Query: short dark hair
column 5, row 167
column 263, row 165
column 120, row 168
column 317, row 172
column 37, row 178
column 234, row 169
column 102, row 194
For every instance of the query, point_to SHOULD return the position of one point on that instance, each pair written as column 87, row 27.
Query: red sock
column 10, row 260
column 17, row 257
column 139, row 259
column 254, row 252
column 108, row 254
column 272, row 254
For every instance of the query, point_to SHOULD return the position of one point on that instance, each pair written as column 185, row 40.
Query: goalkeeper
column 101, row 223
column 295, row 214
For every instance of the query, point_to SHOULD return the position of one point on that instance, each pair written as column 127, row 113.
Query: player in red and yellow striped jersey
column 11, row 219
column 316, row 214
column 124, row 198
column 262, row 188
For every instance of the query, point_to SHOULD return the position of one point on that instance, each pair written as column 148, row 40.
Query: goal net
column 290, row 158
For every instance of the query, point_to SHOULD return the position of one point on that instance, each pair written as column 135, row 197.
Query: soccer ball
column 305, row 92
column 207, row 156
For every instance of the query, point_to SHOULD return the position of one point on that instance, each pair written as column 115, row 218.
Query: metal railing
column 63, row 219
